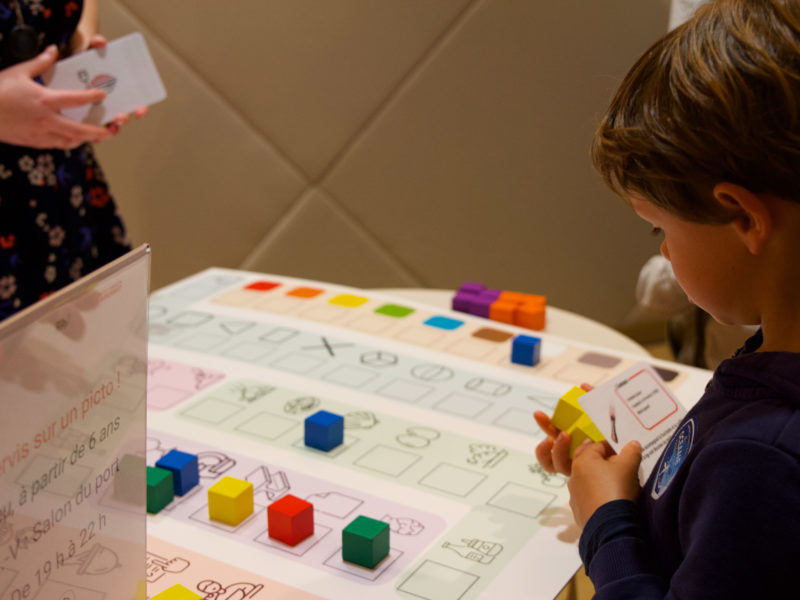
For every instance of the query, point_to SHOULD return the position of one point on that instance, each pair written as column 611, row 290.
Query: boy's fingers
column 544, row 454
column 631, row 454
column 543, row 421
column 560, row 454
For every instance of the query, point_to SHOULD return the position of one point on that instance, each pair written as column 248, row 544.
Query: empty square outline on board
column 452, row 479
column 432, row 580
column 354, row 377
column 405, row 390
column 211, row 410
column 297, row 363
column 521, row 500
column 462, row 405
column 267, row 426
column 387, row 460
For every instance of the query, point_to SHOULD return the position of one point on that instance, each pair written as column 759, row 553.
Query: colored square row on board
column 515, row 308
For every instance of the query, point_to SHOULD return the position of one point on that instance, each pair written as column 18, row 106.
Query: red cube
column 290, row 520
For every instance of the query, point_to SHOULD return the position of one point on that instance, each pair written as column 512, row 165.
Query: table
column 438, row 436
column 559, row 321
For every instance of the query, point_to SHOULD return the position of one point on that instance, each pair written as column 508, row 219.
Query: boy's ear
column 753, row 220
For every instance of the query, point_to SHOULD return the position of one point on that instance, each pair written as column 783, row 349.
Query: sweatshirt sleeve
column 738, row 527
column 614, row 550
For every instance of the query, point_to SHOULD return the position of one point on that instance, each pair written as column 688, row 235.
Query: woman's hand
column 99, row 41
column 30, row 113
column 600, row 476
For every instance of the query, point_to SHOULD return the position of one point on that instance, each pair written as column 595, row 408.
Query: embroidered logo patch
column 672, row 458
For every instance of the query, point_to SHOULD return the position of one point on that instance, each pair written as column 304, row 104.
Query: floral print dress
column 57, row 219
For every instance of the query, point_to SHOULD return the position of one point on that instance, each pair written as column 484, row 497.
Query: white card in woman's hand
column 123, row 68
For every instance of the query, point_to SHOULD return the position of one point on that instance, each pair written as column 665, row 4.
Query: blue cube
column 526, row 350
column 185, row 470
column 324, row 430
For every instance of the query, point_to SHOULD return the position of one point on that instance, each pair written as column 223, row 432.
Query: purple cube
column 462, row 302
column 471, row 288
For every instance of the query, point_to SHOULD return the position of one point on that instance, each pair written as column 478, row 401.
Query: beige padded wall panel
column 305, row 73
column 321, row 242
column 417, row 142
column 192, row 178
column 479, row 168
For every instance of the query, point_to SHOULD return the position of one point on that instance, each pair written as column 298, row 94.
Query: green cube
column 160, row 489
column 365, row 542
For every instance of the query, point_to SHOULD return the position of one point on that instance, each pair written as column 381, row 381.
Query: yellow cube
column 568, row 410
column 176, row 592
column 583, row 429
column 230, row 500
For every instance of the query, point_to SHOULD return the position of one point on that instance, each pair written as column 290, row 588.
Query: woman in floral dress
column 57, row 219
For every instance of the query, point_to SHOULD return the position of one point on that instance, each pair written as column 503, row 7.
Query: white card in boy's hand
column 124, row 69
column 635, row 405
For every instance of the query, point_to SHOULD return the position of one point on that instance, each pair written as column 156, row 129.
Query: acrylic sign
column 73, row 371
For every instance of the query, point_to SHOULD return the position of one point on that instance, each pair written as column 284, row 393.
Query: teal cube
column 365, row 542
column 160, row 489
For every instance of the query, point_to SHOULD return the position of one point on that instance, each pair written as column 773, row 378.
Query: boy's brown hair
column 716, row 99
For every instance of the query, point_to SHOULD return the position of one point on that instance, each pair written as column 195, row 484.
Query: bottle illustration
column 476, row 550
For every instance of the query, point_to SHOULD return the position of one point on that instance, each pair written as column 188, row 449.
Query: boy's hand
column 600, row 476
column 553, row 452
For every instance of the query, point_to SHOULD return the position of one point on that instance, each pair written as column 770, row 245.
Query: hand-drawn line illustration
column 189, row 318
column 279, row 335
column 403, row 525
column 360, row 419
column 214, row 590
column 334, row 504
column 249, row 393
column 157, row 566
column 479, row 551
column 379, row 358
column 270, row 484
column 97, row 560
column 130, row 365
column 549, row 479
column 328, row 346
column 431, row 372
column 486, row 456
column 212, row 464
column 301, row 405
column 548, row 402
column 204, row 378
column 153, row 450
column 235, row 327
column 488, row 387
column 418, row 437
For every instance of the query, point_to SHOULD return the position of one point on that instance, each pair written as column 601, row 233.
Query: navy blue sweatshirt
column 720, row 515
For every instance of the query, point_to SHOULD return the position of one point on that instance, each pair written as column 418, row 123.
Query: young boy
column 703, row 140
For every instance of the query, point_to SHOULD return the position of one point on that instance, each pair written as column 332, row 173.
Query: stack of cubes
column 570, row 417
column 515, row 308
column 175, row 474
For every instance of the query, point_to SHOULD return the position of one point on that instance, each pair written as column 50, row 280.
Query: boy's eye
column 657, row 231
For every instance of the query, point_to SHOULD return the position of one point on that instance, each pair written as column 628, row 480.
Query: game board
column 439, row 440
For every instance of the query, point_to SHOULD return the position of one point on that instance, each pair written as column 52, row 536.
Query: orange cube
column 502, row 311
column 530, row 316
